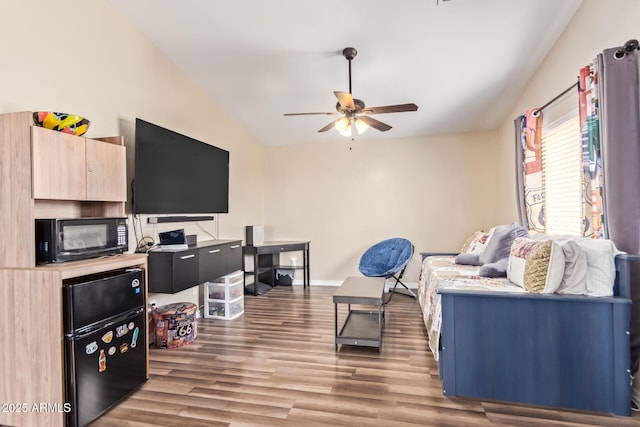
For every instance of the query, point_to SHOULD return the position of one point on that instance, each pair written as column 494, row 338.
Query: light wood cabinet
column 106, row 170
column 58, row 165
column 47, row 174
column 69, row 167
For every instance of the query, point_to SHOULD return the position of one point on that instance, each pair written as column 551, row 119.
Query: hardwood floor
column 277, row 366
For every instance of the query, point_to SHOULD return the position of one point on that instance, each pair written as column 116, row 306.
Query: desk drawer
column 234, row 257
column 213, row 262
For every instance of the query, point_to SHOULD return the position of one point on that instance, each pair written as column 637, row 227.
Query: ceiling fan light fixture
column 361, row 126
column 345, row 126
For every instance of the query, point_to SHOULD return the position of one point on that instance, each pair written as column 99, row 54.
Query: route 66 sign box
column 175, row 324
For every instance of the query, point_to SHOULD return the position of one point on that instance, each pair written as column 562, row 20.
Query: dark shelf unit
column 266, row 260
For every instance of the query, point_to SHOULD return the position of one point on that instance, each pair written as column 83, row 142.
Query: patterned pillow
column 536, row 265
column 476, row 243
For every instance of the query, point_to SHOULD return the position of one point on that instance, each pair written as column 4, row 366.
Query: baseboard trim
column 389, row 283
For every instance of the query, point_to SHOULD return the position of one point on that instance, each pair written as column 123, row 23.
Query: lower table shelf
column 362, row 328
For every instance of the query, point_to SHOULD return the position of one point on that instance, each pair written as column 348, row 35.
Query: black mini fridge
column 105, row 348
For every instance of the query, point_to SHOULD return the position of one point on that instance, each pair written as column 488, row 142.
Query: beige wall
column 82, row 57
column 433, row 191
column 597, row 25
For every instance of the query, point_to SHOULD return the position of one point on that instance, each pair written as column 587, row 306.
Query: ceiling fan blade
column 310, row 114
column 330, row 125
column 376, row 124
column 345, row 99
column 390, row 109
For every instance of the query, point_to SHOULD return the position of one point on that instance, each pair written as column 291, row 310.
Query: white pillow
column 601, row 266
column 574, row 280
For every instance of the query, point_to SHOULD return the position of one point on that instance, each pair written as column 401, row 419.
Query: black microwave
column 71, row 239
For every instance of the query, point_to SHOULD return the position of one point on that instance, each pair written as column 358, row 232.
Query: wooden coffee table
column 361, row 327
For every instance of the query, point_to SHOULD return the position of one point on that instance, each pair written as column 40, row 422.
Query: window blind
column 562, row 175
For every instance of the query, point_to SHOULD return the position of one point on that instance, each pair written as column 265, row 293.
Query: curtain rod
column 629, row 46
column 564, row 92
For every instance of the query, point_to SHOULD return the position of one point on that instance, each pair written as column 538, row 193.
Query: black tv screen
column 176, row 174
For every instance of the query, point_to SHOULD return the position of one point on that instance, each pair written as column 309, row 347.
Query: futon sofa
column 546, row 325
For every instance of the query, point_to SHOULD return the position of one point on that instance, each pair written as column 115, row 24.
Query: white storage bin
column 224, row 309
column 236, row 308
column 216, row 291
column 229, row 279
column 224, row 298
column 236, row 291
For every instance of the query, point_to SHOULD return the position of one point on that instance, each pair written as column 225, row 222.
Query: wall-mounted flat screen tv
column 176, row 174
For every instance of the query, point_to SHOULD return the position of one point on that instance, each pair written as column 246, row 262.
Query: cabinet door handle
column 214, row 251
column 187, row 256
column 235, row 246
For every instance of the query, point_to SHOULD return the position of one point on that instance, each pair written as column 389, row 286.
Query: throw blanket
column 441, row 272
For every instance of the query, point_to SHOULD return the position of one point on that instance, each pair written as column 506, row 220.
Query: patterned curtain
column 592, row 189
column 530, row 182
column 529, row 135
column 530, row 164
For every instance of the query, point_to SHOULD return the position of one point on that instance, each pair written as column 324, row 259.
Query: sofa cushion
column 536, row 265
column 499, row 242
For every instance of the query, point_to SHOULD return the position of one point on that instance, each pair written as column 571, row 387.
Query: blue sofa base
column 553, row 350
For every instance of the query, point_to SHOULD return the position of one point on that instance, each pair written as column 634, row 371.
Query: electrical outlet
column 194, row 291
column 152, row 304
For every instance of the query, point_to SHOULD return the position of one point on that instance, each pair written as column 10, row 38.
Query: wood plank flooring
column 276, row 365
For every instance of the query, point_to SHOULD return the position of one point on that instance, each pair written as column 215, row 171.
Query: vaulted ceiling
column 463, row 62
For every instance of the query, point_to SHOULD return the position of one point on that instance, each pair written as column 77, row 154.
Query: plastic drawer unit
column 224, row 298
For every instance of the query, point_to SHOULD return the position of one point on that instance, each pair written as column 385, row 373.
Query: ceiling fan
column 356, row 116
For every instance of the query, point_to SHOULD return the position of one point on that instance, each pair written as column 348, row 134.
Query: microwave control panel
column 122, row 235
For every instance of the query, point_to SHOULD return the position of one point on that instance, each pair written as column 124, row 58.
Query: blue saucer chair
column 388, row 259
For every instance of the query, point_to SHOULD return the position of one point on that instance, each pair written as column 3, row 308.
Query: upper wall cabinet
column 106, row 170
column 58, row 165
column 68, row 167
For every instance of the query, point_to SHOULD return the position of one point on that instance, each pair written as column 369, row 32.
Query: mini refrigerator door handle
column 92, row 329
